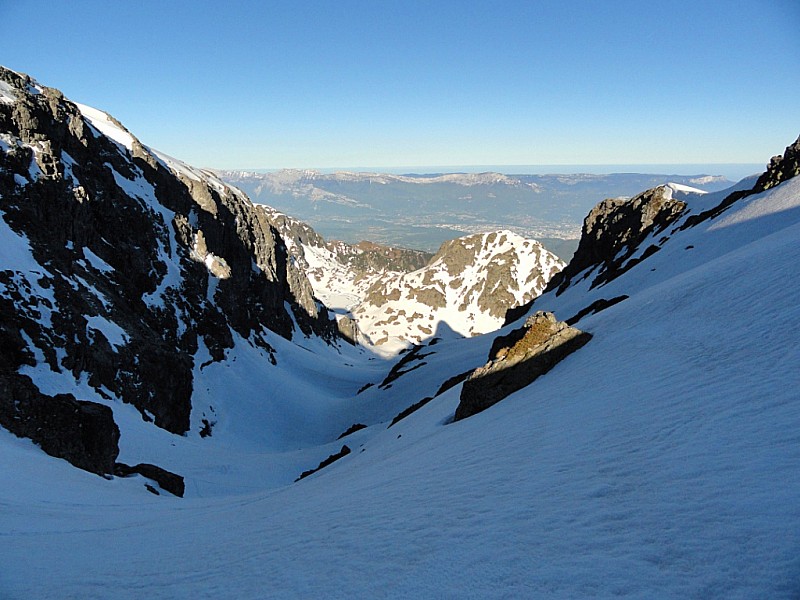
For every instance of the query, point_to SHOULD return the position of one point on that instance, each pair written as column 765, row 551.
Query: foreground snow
column 660, row 461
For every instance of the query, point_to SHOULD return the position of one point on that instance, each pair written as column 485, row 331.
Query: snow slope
column 659, row 461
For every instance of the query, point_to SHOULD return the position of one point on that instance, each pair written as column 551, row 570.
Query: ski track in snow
column 660, row 461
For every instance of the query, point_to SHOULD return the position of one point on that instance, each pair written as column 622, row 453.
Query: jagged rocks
column 780, row 169
column 613, row 231
column 517, row 359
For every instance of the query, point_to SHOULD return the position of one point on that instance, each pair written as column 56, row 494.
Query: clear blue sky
column 301, row 83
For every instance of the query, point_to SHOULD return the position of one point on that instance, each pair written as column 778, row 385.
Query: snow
column 115, row 335
column 659, row 461
column 103, row 123
column 685, row 189
column 7, row 94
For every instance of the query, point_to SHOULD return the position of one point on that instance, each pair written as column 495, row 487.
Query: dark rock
column 399, row 369
column 541, row 344
column 166, row 480
column 125, row 244
column 411, row 409
column 781, row 168
column 594, row 308
column 613, row 231
column 81, row 432
column 352, row 429
column 328, row 461
column 452, row 382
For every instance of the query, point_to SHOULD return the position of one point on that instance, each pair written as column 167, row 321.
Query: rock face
column 167, row 481
column 81, row 432
column 122, row 264
column 517, row 359
column 614, row 230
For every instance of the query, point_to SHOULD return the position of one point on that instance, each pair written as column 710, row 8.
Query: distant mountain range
column 422, row 211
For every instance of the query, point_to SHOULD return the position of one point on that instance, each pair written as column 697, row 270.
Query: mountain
column 466, row 288
column 124, row 273
column 424, row 211
column 387, row 298
column 643, row 442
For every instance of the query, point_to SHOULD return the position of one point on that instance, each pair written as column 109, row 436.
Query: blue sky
column 247, row 84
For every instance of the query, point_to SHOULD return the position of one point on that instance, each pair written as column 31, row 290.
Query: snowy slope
column 658, row 461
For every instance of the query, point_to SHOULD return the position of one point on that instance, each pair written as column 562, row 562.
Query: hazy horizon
column 732, row 171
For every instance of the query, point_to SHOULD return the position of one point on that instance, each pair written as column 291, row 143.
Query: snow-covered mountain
column 389, row 298
column 467, row 288
column 644, row 444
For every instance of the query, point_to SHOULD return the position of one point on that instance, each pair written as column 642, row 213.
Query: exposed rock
column 352, row 429
column 328, row 461
column 81, row 432
column 523, row 356
column 131, row 261
column 781, row 168
column 401, row 367
column 410, row 410
column 594, row 308
column 166, row 480
column 613, row 231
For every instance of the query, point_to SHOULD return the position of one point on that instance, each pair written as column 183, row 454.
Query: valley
column 161, row 322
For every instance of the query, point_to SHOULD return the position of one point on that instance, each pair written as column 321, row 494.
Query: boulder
column 517, row 360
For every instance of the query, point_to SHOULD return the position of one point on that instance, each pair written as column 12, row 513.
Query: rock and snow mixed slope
column 123, row 279
column 466, row 288
column 659, row 460
column 389, row 298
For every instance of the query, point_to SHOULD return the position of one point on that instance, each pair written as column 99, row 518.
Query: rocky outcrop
column 81, row 432
column 613, row 232
column 122, row 264
column 166, row 480
column 327, row 462
column 517, row 359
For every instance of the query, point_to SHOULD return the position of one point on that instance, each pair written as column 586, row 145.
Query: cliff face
column 124, row 267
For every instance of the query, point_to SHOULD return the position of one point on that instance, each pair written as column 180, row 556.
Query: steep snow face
column 465, row 289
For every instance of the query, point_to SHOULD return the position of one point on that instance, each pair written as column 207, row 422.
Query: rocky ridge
column 517, row 359
column 124, row 270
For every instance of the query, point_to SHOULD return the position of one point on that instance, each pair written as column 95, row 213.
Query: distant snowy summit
column 465, row 290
